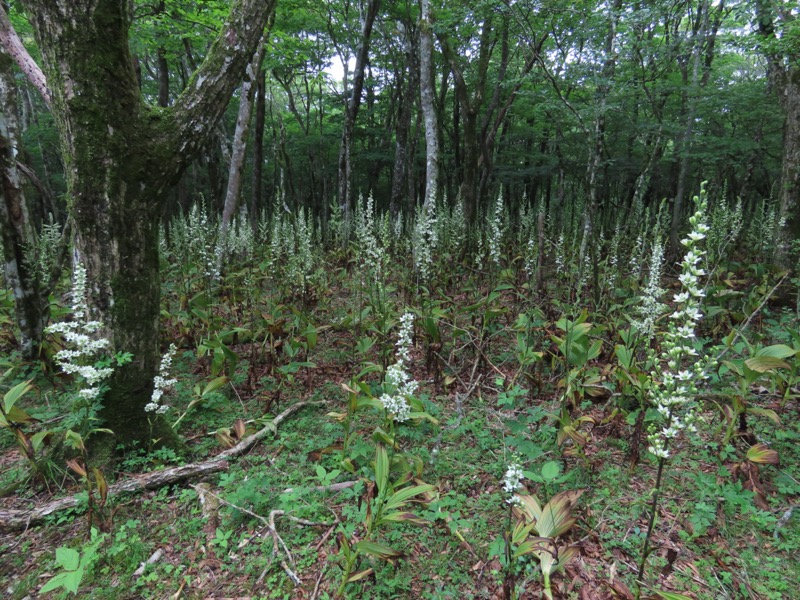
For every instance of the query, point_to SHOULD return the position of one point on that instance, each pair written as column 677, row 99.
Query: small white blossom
column 673, row 400
column 512, row 481
column 79, row 334
column 162, row 382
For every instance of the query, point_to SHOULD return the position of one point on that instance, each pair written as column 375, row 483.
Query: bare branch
column 9, row 40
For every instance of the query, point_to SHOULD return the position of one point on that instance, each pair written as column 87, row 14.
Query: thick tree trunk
column 121, row 159
column 790, row 170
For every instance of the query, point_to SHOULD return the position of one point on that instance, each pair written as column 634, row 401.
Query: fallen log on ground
column 14, row 519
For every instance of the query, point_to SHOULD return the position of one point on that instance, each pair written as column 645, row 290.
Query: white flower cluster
column 398, row 381
column 673, row 398
column 372, row 255
column 426, row 239
column 512, row 481
column 496, row 231
column 301, row 258
column 78, row 334
column 651, row 307
column 561, row 266
column 162, row 382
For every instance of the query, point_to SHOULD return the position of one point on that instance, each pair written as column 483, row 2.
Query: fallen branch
column 12, row 519
column 277, row 540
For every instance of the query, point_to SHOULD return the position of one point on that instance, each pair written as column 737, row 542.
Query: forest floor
column 721, row 529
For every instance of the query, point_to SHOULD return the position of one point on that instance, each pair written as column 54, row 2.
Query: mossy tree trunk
column 122, row 157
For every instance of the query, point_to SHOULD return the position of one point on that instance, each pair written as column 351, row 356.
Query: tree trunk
column 426, row 91
column 351, row 111
column 16, row 229
column 790, row 170
column 258, row 150
column 121, row 160
column 239, row 149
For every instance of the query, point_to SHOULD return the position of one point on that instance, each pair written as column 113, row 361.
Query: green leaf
column 764, row 364
column 69, row 581
column 564, row 556
column 765, row 412
column 761, row 454
column 37, row 439
column 777, row 351
column 594, row 349
column 380, row 436
column 551, row 470
column 402, row 517
column 11, row 396
column 531, row 545
column 671, row 595
column 381, row 468
column 214, row 385
column 68, row 558
column 377, row 550
column 17, row 415
column 400, row 497
column 360, row 575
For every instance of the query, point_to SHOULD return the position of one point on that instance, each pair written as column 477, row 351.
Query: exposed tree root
column 12, row 519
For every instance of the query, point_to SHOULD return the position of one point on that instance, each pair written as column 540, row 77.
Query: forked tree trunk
column 121, row 159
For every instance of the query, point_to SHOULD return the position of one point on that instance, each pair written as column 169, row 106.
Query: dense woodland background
column 369, row 269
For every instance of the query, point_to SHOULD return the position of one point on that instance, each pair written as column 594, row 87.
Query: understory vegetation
column 524, row 409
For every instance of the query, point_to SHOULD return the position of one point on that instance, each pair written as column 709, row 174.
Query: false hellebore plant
column 536, row 530
column 673, row 396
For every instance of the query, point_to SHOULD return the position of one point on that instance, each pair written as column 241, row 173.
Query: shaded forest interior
column 492, row 299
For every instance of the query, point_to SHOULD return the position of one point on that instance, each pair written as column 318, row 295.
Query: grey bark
column 239, row 148
column 427, row 95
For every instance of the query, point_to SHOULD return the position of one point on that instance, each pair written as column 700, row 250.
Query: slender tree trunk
column 258, row 150
column 406, row 100
column 239, row 149
column 700, row 37
column 427, row 95
column 351, row 111
column 603, row 89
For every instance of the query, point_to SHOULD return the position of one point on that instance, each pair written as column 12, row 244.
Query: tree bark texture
column 16, row 229
column 239, row 149
column 427, row 95
column 121, row 159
